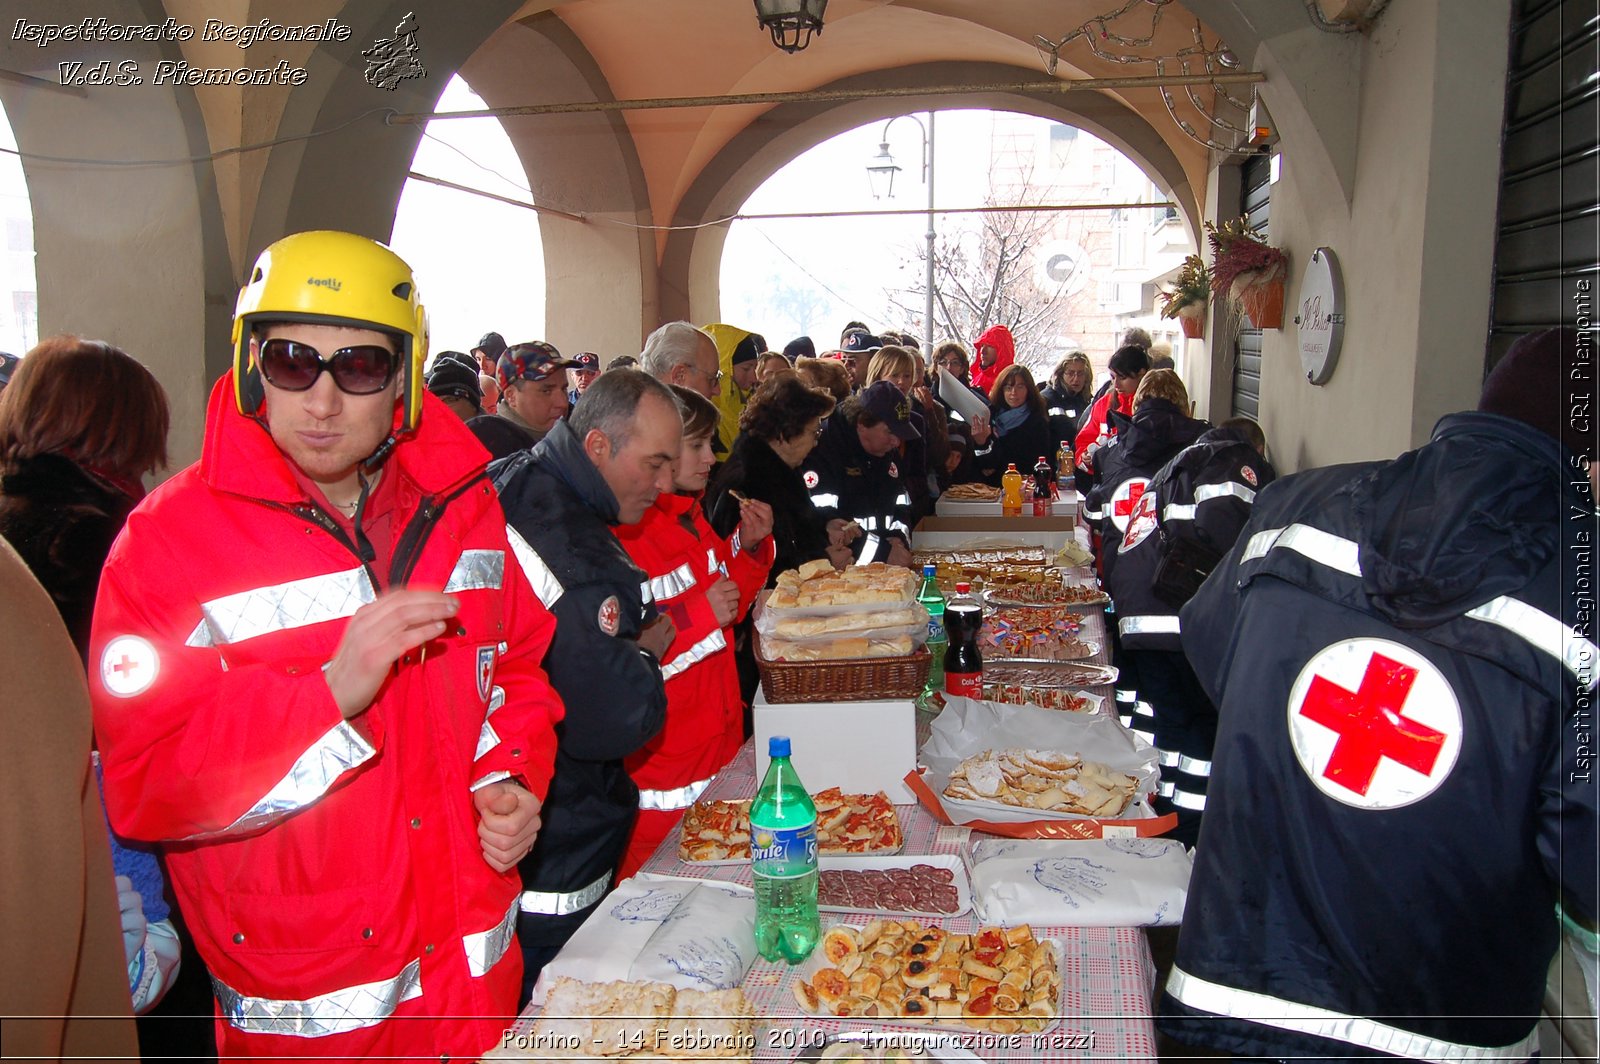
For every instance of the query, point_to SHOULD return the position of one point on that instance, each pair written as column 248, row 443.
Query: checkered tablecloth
column 1107, row 973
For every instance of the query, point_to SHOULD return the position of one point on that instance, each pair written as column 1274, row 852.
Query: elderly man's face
column 643, row 467
column 582, row 378
column 701, row 373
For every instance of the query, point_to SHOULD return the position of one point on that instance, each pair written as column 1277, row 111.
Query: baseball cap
column 491, row 344
column 856, row 343
column 449, row 377
column 586, row 360
column 889, row 405
column 532, row 361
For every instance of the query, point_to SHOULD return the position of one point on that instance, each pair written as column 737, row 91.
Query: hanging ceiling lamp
column 791, row 22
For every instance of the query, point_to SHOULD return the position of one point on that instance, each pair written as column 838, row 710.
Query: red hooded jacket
column 983, row 377
column 330, row 870
column 683, row 556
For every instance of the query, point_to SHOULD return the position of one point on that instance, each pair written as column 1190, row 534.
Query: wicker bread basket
column 843, row 679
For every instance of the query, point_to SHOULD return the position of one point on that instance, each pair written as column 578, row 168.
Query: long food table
column 1107, row 973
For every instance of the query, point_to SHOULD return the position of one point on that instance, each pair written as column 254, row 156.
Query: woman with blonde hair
column 1070, row 393
column 898, row 366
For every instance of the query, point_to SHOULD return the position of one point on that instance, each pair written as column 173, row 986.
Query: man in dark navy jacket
column 1402, row 790
column 601, row 467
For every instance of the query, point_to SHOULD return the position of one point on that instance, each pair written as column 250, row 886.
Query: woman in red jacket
column 705, row 583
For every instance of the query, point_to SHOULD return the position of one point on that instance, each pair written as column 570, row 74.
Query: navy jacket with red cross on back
column 1401, row 785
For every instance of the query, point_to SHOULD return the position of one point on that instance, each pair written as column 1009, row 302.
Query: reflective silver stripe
column 1336, row 552
column 1168, row 758
column 677, row 798
column 1154, row 624
column 869, row 548
column 1125, row 694
column 711, row 560
column 646, row 595
column 494, row 777
column 1091, row 514
column 1166, row 788
column 1144, row 709
column 1206, row 996
column 1206, row 493
column 897, row 526
column 902, row 499
column 1185, row 800
column 736, row 544
column 477, row 570
column 869, row 524
column 485, row 948
column 824, row 499
column 695, row 654
column 540, row 578
column 1532, row 624
column 1547, row 633
column 1194, row 766
column 671, row 585
column 550, row 903
column 488, row 739
column 339, row 750
column 295, row 604
column 497, row 698
column 336, row 1012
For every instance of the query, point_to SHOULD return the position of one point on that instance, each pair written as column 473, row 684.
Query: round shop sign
column 1320, row 316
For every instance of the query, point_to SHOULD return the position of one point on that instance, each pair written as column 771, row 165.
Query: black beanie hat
column 1547, row 380
column 798, row 348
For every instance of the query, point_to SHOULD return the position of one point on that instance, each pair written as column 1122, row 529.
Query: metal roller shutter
column 1256, row 191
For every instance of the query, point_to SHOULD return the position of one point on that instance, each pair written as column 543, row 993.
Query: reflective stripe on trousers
column 555, row 903
column 1205, row 996
column 677, row 798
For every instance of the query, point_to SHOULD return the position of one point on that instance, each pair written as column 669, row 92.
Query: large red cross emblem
column 1370, row 724
column 1125, row 499
column 1363, row 712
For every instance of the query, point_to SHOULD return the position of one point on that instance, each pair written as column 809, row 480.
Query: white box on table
column 859, row 747
column 935, row 533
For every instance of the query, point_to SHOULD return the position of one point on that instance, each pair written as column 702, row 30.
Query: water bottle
column 783, row 858
column 1043, row 488
column 1011, row 492
column 963, row 664
column 933, row 601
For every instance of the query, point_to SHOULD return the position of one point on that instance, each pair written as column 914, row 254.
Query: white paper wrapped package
column 692, row 933
column 968, row 727
column 1123, row 882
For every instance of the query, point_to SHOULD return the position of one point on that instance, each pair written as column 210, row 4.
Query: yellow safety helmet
column 331, row 278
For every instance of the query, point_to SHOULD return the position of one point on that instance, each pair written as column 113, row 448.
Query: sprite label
column 783, row 853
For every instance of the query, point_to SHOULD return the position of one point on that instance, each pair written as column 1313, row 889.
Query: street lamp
column 881, row 169
column 791, row 22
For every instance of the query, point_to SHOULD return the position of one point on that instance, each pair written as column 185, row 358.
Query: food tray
column 817, row 961
column 998, row 597
column 1029, row 672
column 851, row 862
column 842, row 679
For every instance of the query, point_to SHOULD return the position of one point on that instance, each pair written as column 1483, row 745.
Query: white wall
column 1406, row 198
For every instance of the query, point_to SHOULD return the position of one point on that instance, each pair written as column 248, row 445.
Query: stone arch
column 690, row 265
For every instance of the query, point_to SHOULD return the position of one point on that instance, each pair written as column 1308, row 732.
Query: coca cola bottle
column 1043, row 483
column 963, row 665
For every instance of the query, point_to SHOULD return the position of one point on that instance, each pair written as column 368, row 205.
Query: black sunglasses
column 294, row 367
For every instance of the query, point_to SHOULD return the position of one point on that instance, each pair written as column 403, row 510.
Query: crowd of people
column 424, row 654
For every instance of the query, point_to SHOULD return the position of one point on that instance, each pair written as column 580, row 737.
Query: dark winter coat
column 754, row 470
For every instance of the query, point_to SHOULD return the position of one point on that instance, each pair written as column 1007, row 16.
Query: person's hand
column 899, row 554
column 378, row 634
column 755, row 522
column 133, row 922
column 952, row 462
column 922, row 395
column 981, row 431
column 842, row 533
column 724, row 599
column 508, row 823
column 658, row 635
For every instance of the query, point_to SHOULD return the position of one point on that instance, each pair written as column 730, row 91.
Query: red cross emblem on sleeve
column 1374, row 724
column 1125, row 500
column 128, row 666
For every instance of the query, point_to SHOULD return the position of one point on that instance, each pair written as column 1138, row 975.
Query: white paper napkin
column 1122, row 882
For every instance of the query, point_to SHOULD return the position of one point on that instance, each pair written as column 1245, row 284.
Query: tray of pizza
column 718, row 832
column 901, row 972
column 933, row 885
column 1047, row 674
column 1064, row 699
column 635, row 1020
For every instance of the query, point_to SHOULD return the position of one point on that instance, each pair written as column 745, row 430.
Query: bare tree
column 984, row 274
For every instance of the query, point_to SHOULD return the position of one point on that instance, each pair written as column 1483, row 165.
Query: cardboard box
column 1051, row 532
column 859, row 747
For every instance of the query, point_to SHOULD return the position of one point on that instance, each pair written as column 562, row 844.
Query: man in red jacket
column 316, row 681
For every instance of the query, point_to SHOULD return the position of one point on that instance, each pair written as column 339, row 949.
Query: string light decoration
column 1113, row 46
